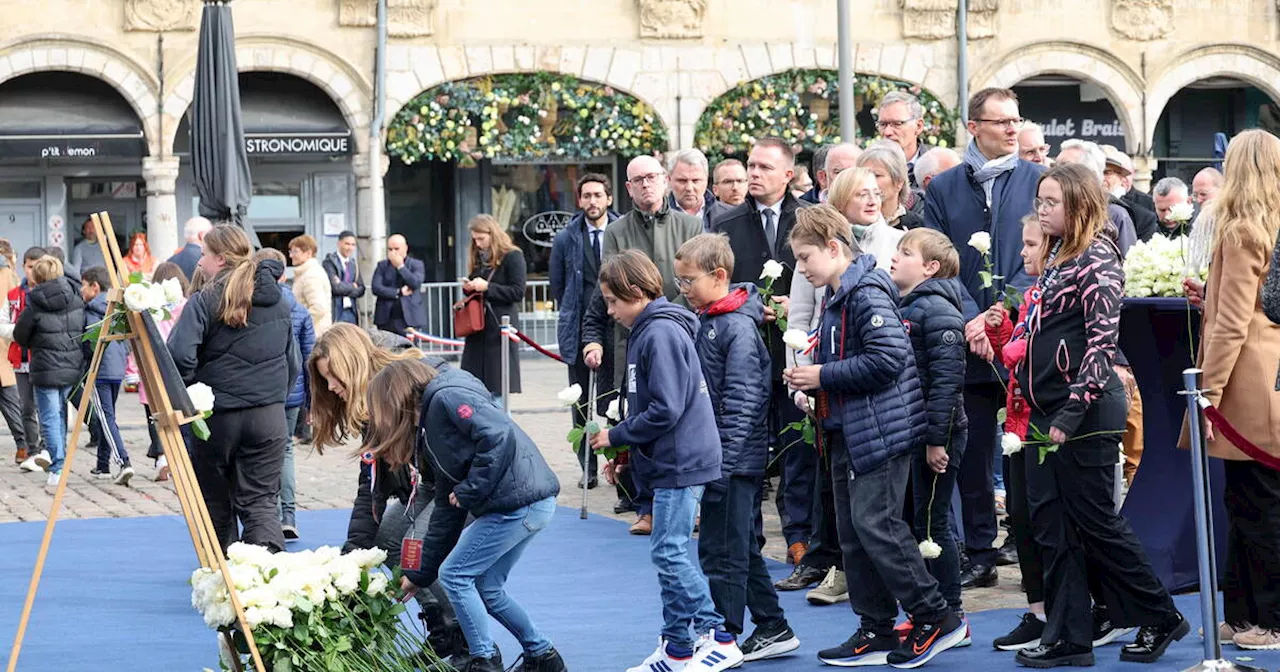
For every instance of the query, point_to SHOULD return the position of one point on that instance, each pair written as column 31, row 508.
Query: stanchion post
column 1213, row 659
column 586, row 440
column 506, row 364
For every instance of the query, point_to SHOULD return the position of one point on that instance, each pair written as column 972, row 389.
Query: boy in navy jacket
column 736, row 366
column 872, row 413
column 925, row 269
column 95, row 281
column 675, row 452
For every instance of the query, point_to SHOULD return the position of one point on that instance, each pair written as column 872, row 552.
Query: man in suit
column 345, row 283
column 397, row 282
column 758, row 229
column 193, row 232
column 687, row 169
column 576, row 254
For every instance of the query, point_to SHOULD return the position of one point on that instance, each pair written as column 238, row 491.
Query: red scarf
column 731, row 302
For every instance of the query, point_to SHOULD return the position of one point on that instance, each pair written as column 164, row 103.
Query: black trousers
column 239, row 473
column 824, row 547
column 1251, row 583
column 976, row 482
column 799, row 468
column 1083, row 539
column 730, row 555
column 1015, row 483
column 11, row 408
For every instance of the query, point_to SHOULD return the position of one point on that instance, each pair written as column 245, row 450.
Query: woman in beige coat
column 1239, row 351
column 310, row 283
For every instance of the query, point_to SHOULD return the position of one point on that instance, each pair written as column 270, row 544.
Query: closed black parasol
column 218, row 157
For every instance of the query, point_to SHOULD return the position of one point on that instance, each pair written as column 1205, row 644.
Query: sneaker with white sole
column 38, row 462
column 1104, row 632
column 1258, row 639
column 770, row 643
column 100, row 474
column 125, row 475
column 864, row 648
column 968, row 634
column 54, row 478
column 1227, row 631
column 661, row 660
column 834, row 589
column 926, row 641
column 715, row 652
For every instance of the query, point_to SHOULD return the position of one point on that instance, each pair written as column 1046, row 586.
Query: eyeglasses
column 1015, row 122
column 686, row 283
column 731, row 182
column 650, row 178
column 869, row 196
column 1046, row 204
column 882, row 124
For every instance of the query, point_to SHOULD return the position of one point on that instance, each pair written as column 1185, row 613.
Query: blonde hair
column 708, row 251
column 353, row 360
column 821, row 224
column 934, row 246
column 45, row 269
column 1247, row 210
column 499, row 242
column 232, row 244
column 842, row 189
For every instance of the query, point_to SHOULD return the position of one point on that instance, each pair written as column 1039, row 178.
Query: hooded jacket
column 868, row 369
column 114, row 359
column 736, row 366
column 50, row 327
column 247, row 367
column 304, row 331
column 670, row 425
column 480, row 456
column 936, row 327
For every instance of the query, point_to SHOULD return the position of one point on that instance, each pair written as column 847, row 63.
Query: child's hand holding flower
column 804, row 377
column 600, row 440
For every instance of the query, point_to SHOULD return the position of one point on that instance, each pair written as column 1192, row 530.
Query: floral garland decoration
column 525, row 116
column 798, row 106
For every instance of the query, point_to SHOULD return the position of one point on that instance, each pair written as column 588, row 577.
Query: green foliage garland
column 799, row 106
column 523, row 117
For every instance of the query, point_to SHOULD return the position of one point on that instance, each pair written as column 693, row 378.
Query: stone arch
column 1256, row 66
column 46, row 53
column 337, row 78
column 1122, row 85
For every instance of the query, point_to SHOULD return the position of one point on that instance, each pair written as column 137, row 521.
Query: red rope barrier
column 534, row 344
column 1237, row 439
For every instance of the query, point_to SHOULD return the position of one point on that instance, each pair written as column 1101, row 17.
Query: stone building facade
column 676, row 55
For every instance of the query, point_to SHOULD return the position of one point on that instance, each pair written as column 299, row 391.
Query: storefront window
column 534, row 201
column 27, row 190
column 276, row 200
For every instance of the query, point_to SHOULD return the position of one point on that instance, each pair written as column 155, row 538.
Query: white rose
column 570, row 395
column 796, row 339
column 981, row 241
column 137, row 297
column 368, row 558
column 1010, row 443
column 613, row 412
column 1181, row 212
column 772, row 270
column 172, row 291
column 377, row 585
column 201, row 397
column 930, row 550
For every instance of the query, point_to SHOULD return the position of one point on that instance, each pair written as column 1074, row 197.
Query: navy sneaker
column 863, row 648
column 928, row 640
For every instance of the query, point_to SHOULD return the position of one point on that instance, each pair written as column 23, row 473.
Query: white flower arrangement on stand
column 1157, row 268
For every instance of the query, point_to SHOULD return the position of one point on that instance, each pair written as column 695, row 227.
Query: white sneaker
column 53, row 479
column 659, row 661
column 124, row 476
column 38, row 462
column 714, row 656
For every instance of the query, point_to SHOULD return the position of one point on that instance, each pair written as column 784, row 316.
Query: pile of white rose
column 1158, row 266
column 153, row 297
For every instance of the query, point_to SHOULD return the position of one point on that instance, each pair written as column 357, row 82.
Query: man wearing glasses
column 900, row 118
column 729, row 182
column 991, row 191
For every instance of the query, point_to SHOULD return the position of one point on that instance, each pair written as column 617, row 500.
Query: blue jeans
column 287, row 502
column 475, row 573
column 936, row 521
column 108, row 393
column 687, row 609
column 51, row 404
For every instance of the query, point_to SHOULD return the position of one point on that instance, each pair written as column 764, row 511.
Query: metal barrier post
column 1213, row 659
column 586, row 440
column 506, row 364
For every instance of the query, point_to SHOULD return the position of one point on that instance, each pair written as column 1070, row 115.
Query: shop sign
column 542, row 228
column 335, row 144
column 71, row 148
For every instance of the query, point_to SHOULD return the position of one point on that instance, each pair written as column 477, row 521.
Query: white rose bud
column 981, row 241
column 613, row 412
column 796, row 339
column 201, row 397
column 930, row 550
column 772, row 270
column 1010, row 443
column 570, row 395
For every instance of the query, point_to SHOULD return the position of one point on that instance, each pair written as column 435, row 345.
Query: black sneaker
column 801, row 577
column 927, row 640
column 1025, row 636
column 1104, row 632
column 547, row 662
column 863, row 648
column 1152, row 640
column 979, row 576
column 1061, row 654
column 770, row 643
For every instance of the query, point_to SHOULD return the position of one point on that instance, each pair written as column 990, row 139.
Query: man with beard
column 729, row 182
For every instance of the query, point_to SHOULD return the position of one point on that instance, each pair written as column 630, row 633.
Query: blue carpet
column 114, row 596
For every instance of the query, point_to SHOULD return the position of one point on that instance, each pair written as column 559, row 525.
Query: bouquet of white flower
column 312, row 610
column 1158, row 267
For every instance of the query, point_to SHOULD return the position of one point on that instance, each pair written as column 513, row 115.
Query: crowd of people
column 731, row 314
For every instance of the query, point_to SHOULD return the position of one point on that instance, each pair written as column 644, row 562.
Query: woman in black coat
column 498, row 272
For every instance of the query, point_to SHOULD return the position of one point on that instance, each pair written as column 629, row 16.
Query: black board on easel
column 178, row 397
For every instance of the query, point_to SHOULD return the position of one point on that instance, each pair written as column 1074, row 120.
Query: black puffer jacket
column 51, row 327
column 480, row 456
column 936, row 326
column 735, row 364
column 247, row 367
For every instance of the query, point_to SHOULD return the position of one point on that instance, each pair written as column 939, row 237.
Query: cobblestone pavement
column 328, row 481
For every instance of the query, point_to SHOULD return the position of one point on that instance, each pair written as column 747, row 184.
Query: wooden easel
column 168, row 427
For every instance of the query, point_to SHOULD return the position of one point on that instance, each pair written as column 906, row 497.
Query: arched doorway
column 1186, row 137
column 70, row 145
column 1068, row 107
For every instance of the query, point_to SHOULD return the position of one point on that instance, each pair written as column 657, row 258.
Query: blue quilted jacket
column 936, row 327
column 869, row 369
column 305, row 334
column 736, row 366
